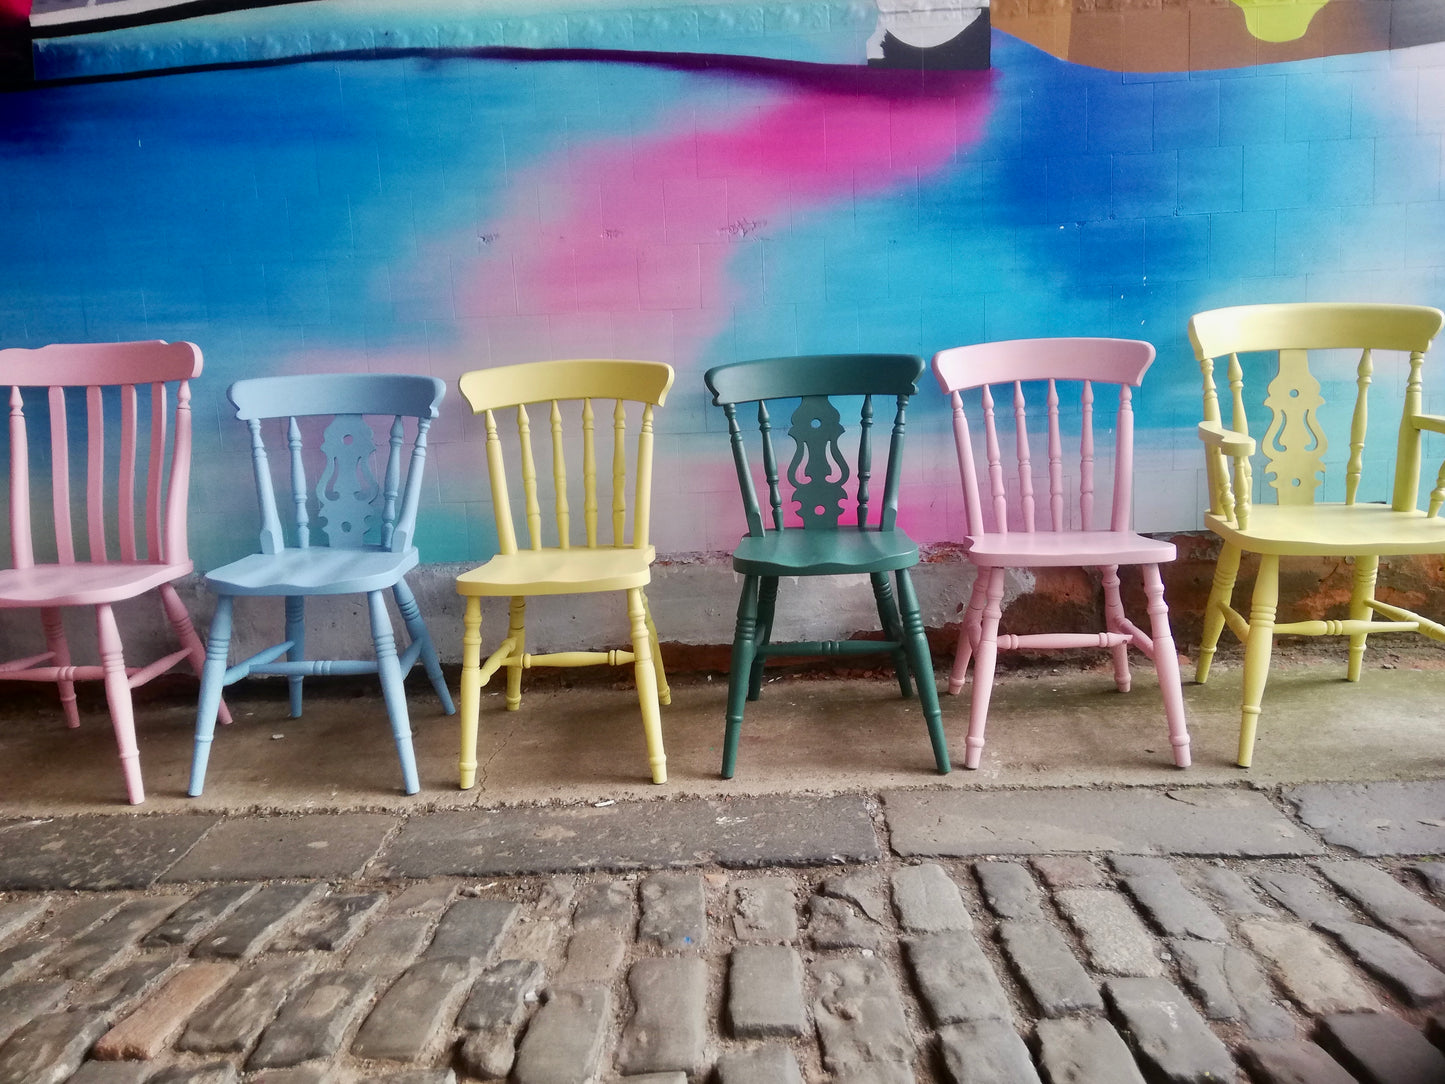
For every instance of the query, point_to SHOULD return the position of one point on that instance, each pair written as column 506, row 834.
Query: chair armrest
column 1231, row 443
column 1431, row 423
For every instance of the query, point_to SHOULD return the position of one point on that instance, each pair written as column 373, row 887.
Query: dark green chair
column 834, row 533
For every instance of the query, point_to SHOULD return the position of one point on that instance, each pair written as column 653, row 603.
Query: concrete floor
column 578, row 738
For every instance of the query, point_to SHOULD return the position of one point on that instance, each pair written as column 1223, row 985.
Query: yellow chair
column 1295, row 457
column 567, row 389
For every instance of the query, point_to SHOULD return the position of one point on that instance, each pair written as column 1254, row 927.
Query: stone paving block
column 1169, row 1035
column 772, row 1063
column 390, row 946
column 258, row 921
column 1041, row 958
column 232, row 1020
column 955, row 980
column 668, row 1027
column 111, row 1072
column 1206, row 821
column 489, row 1053
column 1292, row 1061
column 927, row 900
column 21, row 959
column 875, row 1072
column 674, row 911
column 1009, row 890
column 593, row 955
column 1392, row 905
column 198, row 914
column 835, row 923
column 986, row 1052
column 1303, row 896
column 1307, row 968
column 473, row 927
column 501, row 994
column 861, row 888
column 1230, row 986
column 126, row 985
column 412, row 1076
column 409, row 1016
column 1113, row 936
column 858, row 1012
column 21, row 1002
column 563, row 1043
column 656, row 1078
column 218, row 1072
column 764, row 909
column 1433, row 874
column 1230, row 891
column 1067, row 871
column 101, row 946
column 145, row 1032
column 1374, row 819
column 612, row 904
column 250, row 848
column 429, row 898
column 732, row 832
column 1174, row 910
column 1083, row 1051
column 80, row 916
column 765, row 992
column 95, row 852
column 1391, row 961
column 301, row 1074
column 314, row 1020
column 331, row 924
column 15, row 915
column 1382, row 1049
column 50, row 1048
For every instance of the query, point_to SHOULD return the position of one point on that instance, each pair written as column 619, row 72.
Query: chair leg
column 117, row 696
column 985, row 659
column 388, row 668
column 1114, row 621
column 55, row 642
column 767, row 604
column 916, row 644
column 517, row 633
column 664, row 692
column 213, row 681
column 1366, row 569
column 1166, row 665
column 1257, row 651
column 471, row 690
column 646, row 684
column 180, row 620
column 296, row 633
column 968, row 631
column 1225, row 571
column 417, row 630
column 744, row 649
column 892, row 623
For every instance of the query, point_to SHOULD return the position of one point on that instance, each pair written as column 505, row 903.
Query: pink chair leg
column 1115, row 621
column 117, row 695
column 1166, row 665
column 186, row 633
column 968, row 632
column 56, row 644
column 984, row 662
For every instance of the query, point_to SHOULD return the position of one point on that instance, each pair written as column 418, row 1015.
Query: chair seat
column 83, row 584
column 559, row 572
column 318, row 571
column 1053, row 549
column 1343, row 530
column 824, row 551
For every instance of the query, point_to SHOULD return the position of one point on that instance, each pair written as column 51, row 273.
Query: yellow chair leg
column 1257, row 651
column 1225, row 571
column 471, row 691
column 664, row 693
column 646, row 684
column 517, row 633
column 1366, row 569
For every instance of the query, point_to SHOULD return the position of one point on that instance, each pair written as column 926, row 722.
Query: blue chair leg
column 916, row 644
column 745, row 647
column 416, row 629
column 213, row 682
column 296, row 633
column 388, row 668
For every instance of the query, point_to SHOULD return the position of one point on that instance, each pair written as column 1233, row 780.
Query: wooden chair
column 1293, row 459
column 568, row 564
column 1012, row 536
column 834, row 533
column 134, row 535
column 350, row 533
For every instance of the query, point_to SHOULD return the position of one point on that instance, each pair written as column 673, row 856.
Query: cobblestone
column 765, row 992
column 232, row 1020
column 1382, row 1049
column 1058, row 982
column 859, row 1015
column 1009, row 890
column 764, row 909
column 1391, row 961
column 862, row 889
column 22, row 1001
column 198, row 914
column 986, row 1052
column 257, row 921
column 1303, row 896
column 145, row 1032
column 403, row 1023
column 1169, row 1035
column 385, row 950
column 674, row 911
column 1231, row 891
column 1392, row 905
column 1079, row 1051
column 1308, row 969
column 116, row 992
column 49, row 1049
column 472, row 928
column 332, row 924
column 1230, row 986
column 928, row 901
column 955, row 979
column 1176, row 911
column 314, row 1020
column 1113, row 936
column 769, row 1064
column 668, row 1027
column 1292, row 1061
column 500, row 997
column 564, row 1042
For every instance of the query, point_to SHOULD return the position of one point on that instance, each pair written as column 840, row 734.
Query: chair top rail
column 572, row 378
column 1313, row 326
column 1115, row 361
column 814, row 374
column 310, row 394
column 94, row 364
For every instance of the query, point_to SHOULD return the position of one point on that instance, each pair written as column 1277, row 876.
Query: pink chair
column 1071, row 538
column 115, row 396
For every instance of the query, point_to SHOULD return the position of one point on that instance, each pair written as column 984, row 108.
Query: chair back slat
column 1056, row 461
column 95, row 473
column 299, row 488
column 156, row 530
column 273, row 538
column 22, row 548
column 1407, row 449
column 619, row 473
column 770, row 466
column 963, row 444
column 589, row 472
column 1086, row 457
column 889, row 519
column 642, row 514
column 865, row 458
column 60, row 475
column 1124, row 461
column 125, row 503
column 995, row 465
column 176, row 548
column 402, row 534
column 531, row 502
column 1359, row 424
column 1026, row 466
column 745, row 474
column 559, row 479
column 501, row 499
column 391, row 485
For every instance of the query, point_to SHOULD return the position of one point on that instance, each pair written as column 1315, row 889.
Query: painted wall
column 437, row 214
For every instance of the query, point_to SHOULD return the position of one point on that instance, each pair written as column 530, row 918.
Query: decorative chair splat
column 348, row 491
column 817, row 472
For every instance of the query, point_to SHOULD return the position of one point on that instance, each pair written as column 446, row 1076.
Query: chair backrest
column 1294, row 444
column 819, row 469
column 324, row 423
column 567, row 389
column 114, row 397
column 1062, row 368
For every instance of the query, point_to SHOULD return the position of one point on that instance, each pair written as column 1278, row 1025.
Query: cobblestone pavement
column 1015, row 936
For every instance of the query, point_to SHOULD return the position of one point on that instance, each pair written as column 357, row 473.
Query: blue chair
column 352, row 534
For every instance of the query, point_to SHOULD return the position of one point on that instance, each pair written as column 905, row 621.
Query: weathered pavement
column 1091, row 936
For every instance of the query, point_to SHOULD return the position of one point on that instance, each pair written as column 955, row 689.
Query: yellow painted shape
column 1279, row 20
